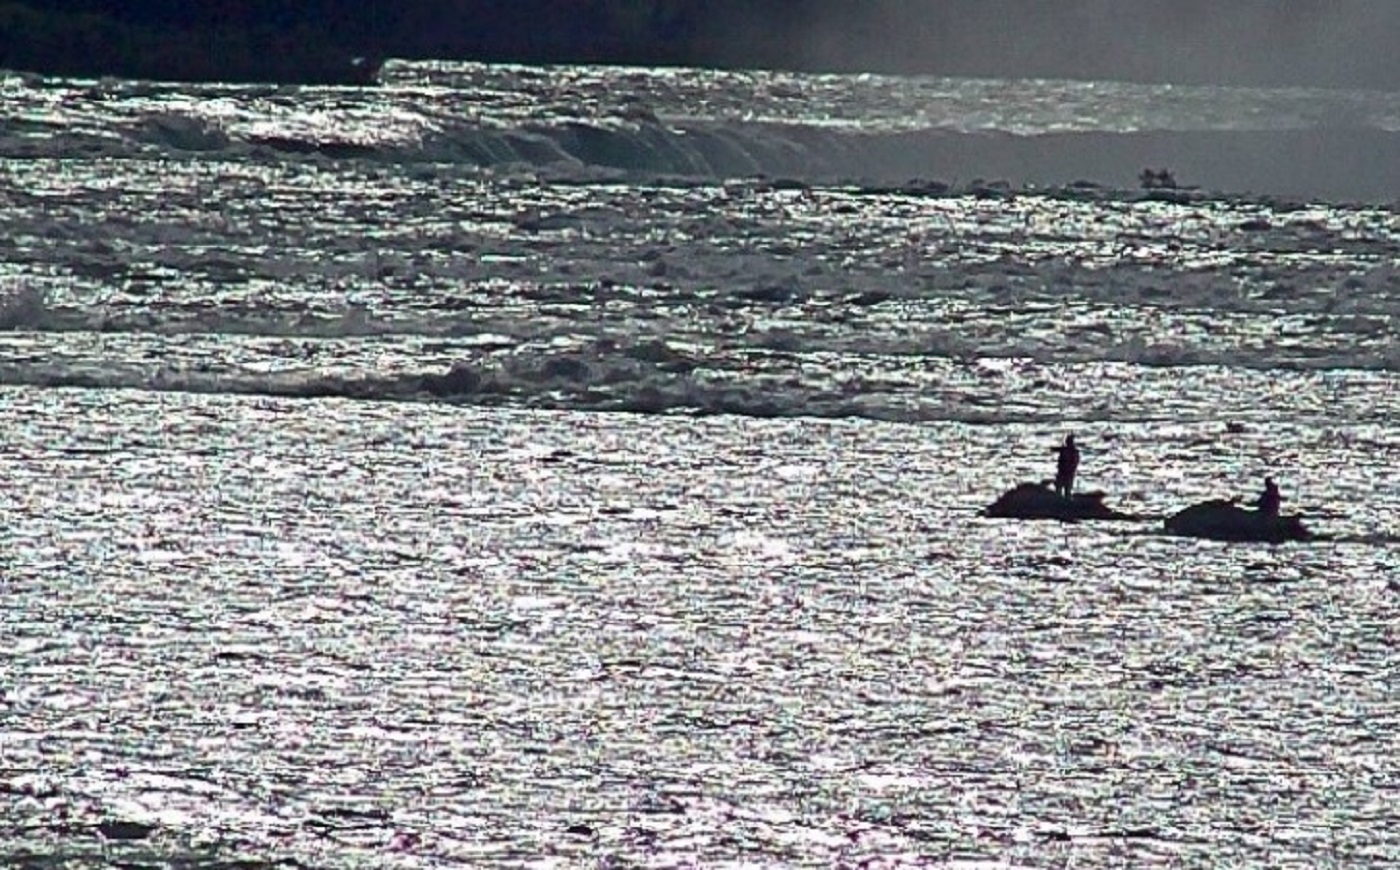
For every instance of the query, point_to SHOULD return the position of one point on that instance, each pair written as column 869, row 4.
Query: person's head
column 1069, row 439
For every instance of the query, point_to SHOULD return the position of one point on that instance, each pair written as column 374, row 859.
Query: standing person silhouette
column 1270, row 499
column 1066, row 466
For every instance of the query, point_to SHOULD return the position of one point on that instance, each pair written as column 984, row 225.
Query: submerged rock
column 126, row 831
column 1038, row 501
column 1221, row 520
column 460, row 380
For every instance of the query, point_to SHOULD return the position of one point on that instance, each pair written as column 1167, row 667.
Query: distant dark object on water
column 1038, row 501
column 124, row 831
column 334, row 150
column 1157, row 179
column 1224, row 520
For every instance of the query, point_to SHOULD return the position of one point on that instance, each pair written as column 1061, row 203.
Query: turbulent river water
column 512, row 466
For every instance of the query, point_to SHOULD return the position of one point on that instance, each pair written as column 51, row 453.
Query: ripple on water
column 344, row 632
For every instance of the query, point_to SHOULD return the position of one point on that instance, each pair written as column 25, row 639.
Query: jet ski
column 1224, row 520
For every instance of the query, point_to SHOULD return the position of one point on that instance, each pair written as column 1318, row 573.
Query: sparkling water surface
column 407, row 509
column 406, row 634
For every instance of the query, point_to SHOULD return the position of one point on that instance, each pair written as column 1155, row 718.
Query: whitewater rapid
column 373, row 281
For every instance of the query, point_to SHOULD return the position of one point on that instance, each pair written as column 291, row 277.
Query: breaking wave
column 712, row 125
column 1360, row 164
column 650, row 375
column 562, row 382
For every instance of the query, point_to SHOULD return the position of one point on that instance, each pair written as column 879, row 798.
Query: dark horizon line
column 101, row 38
column 363, row 70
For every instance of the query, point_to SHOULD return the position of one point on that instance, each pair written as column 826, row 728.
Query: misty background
column 1342, row 43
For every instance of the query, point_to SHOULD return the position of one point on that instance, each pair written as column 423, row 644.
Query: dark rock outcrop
column 1037, row 501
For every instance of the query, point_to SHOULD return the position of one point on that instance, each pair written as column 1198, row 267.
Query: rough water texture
column 326, row 545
